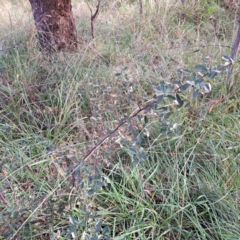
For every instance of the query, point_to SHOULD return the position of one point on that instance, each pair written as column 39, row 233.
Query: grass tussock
column 169, row 173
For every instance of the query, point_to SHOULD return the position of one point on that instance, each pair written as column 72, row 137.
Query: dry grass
column 55, row 108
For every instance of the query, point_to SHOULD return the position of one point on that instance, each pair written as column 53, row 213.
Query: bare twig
column 94, row 17
column 141, row 7
column 2, row 197
column 9, row 48
column 236, row 43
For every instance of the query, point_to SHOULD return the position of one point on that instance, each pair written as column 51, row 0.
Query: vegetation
column 156, row 84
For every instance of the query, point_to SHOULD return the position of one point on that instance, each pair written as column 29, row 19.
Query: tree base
column 55, row 24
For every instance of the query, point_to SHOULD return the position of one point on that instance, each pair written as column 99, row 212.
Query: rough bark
column 55, row 24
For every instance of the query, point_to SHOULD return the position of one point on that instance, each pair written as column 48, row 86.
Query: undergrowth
column 135, row 136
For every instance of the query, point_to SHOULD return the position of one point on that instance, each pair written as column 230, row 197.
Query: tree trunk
column 55, row 24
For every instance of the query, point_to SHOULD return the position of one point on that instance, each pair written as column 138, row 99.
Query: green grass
column 141, row 183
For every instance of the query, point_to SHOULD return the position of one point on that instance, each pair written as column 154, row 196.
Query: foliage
column 136, row 136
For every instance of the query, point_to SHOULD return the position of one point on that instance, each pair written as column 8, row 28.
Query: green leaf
column 164, row 126
column 163, row 109
column 179, row 100
column 184, row 87
column 72, row 220
column 171, row 97
column 206, row 88
column 87, row 236
column 106, row 230
column 198, row 81
column 138, row 139
column 176, row 82
column 91, row 191
column 73, row 232
column 201, row 68
column 193, row 77
column 163, row 87
column 160, row 98
column 158, row 92
column 143, row 156
column 169, row 134
column 98, row 226
column 146, row 119
column 83, row 224
column 227, row 59
column 133, row 150
column 187, row 72
column 126, row 77
column 212, row 74
column 155, row 106
column 135, row 160
column 167, row 115
column 195, row 94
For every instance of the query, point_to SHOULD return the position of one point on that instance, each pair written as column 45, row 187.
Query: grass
column 149, row 180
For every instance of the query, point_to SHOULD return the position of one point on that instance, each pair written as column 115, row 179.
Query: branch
column 141, row 7
column 229, row 64
column 236, row 43
column 9, row 48
column 94, row 17
column 122, row 122
column 88, row 154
